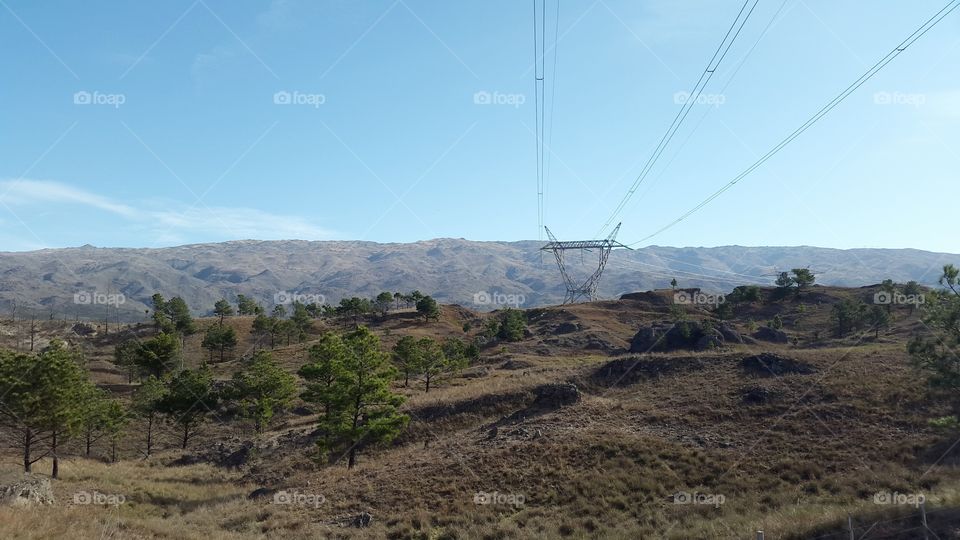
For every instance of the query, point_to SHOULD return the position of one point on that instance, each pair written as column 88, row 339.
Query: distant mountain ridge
column 76, row 281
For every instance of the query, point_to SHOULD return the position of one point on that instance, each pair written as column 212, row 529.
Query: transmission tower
column 586, row 289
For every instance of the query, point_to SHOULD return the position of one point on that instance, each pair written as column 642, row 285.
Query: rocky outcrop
column 27, row 491
column 682, row 335
column 773, row 335
column 554, row 396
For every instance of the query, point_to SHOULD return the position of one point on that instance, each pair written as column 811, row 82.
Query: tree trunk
column 149, row 433
column 428, row 383
column 353, row 458
column 27, row 443
column 55, row 473
column 88, row 444
column 186, row 435
column 113, row 451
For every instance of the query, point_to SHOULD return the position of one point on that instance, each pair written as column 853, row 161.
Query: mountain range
column 87, row 282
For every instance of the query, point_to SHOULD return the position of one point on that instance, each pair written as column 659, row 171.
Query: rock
column 669, row 337
column 83, row 329
column 711, row 339
column 765, row 333
column 302, row 411
column 261, row 493
column 516, row 364
column 556, row 395
column 649, row 338
column 566, row 328
column 475, row 373
column 27, row 491
column 238, row 457
column 362, row 520
column 624, row 371
column 729, row 334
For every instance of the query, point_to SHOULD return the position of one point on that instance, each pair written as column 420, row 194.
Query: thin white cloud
column 22, row 191
column 170, row 224
column 240, row 223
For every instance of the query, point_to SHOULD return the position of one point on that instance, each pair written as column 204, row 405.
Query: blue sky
column 150, row 124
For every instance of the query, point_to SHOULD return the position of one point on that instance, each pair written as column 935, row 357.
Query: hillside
column 453, row 271
column 580, row 429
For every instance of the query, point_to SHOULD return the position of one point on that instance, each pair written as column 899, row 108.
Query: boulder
column 362, row 520
column 513, row 364
column 27, row 491
column 566, row 328
column 765, row 333
column 729, row 334
column 261, row 493
column 649, row 338
column 670, row 337
column 710, row 339
column 556, row 395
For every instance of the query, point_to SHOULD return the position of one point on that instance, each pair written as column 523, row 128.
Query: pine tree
column 262, row 389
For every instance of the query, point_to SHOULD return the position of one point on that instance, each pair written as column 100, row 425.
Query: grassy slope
column 816, row 449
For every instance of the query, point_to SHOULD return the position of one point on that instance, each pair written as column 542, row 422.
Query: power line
column 553, row 102
column 917, row 34
column 539, row 93
column 692, row 98
column 703, row 117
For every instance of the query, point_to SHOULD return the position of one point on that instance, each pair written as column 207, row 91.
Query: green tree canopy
column 262, row 389
column 189, row 398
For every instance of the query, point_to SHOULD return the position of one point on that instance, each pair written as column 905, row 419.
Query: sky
column 147, row 124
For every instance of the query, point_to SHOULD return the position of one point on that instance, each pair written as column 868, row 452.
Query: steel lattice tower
column 587, row 289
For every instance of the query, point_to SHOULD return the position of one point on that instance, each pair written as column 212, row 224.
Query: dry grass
column 815, row 449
